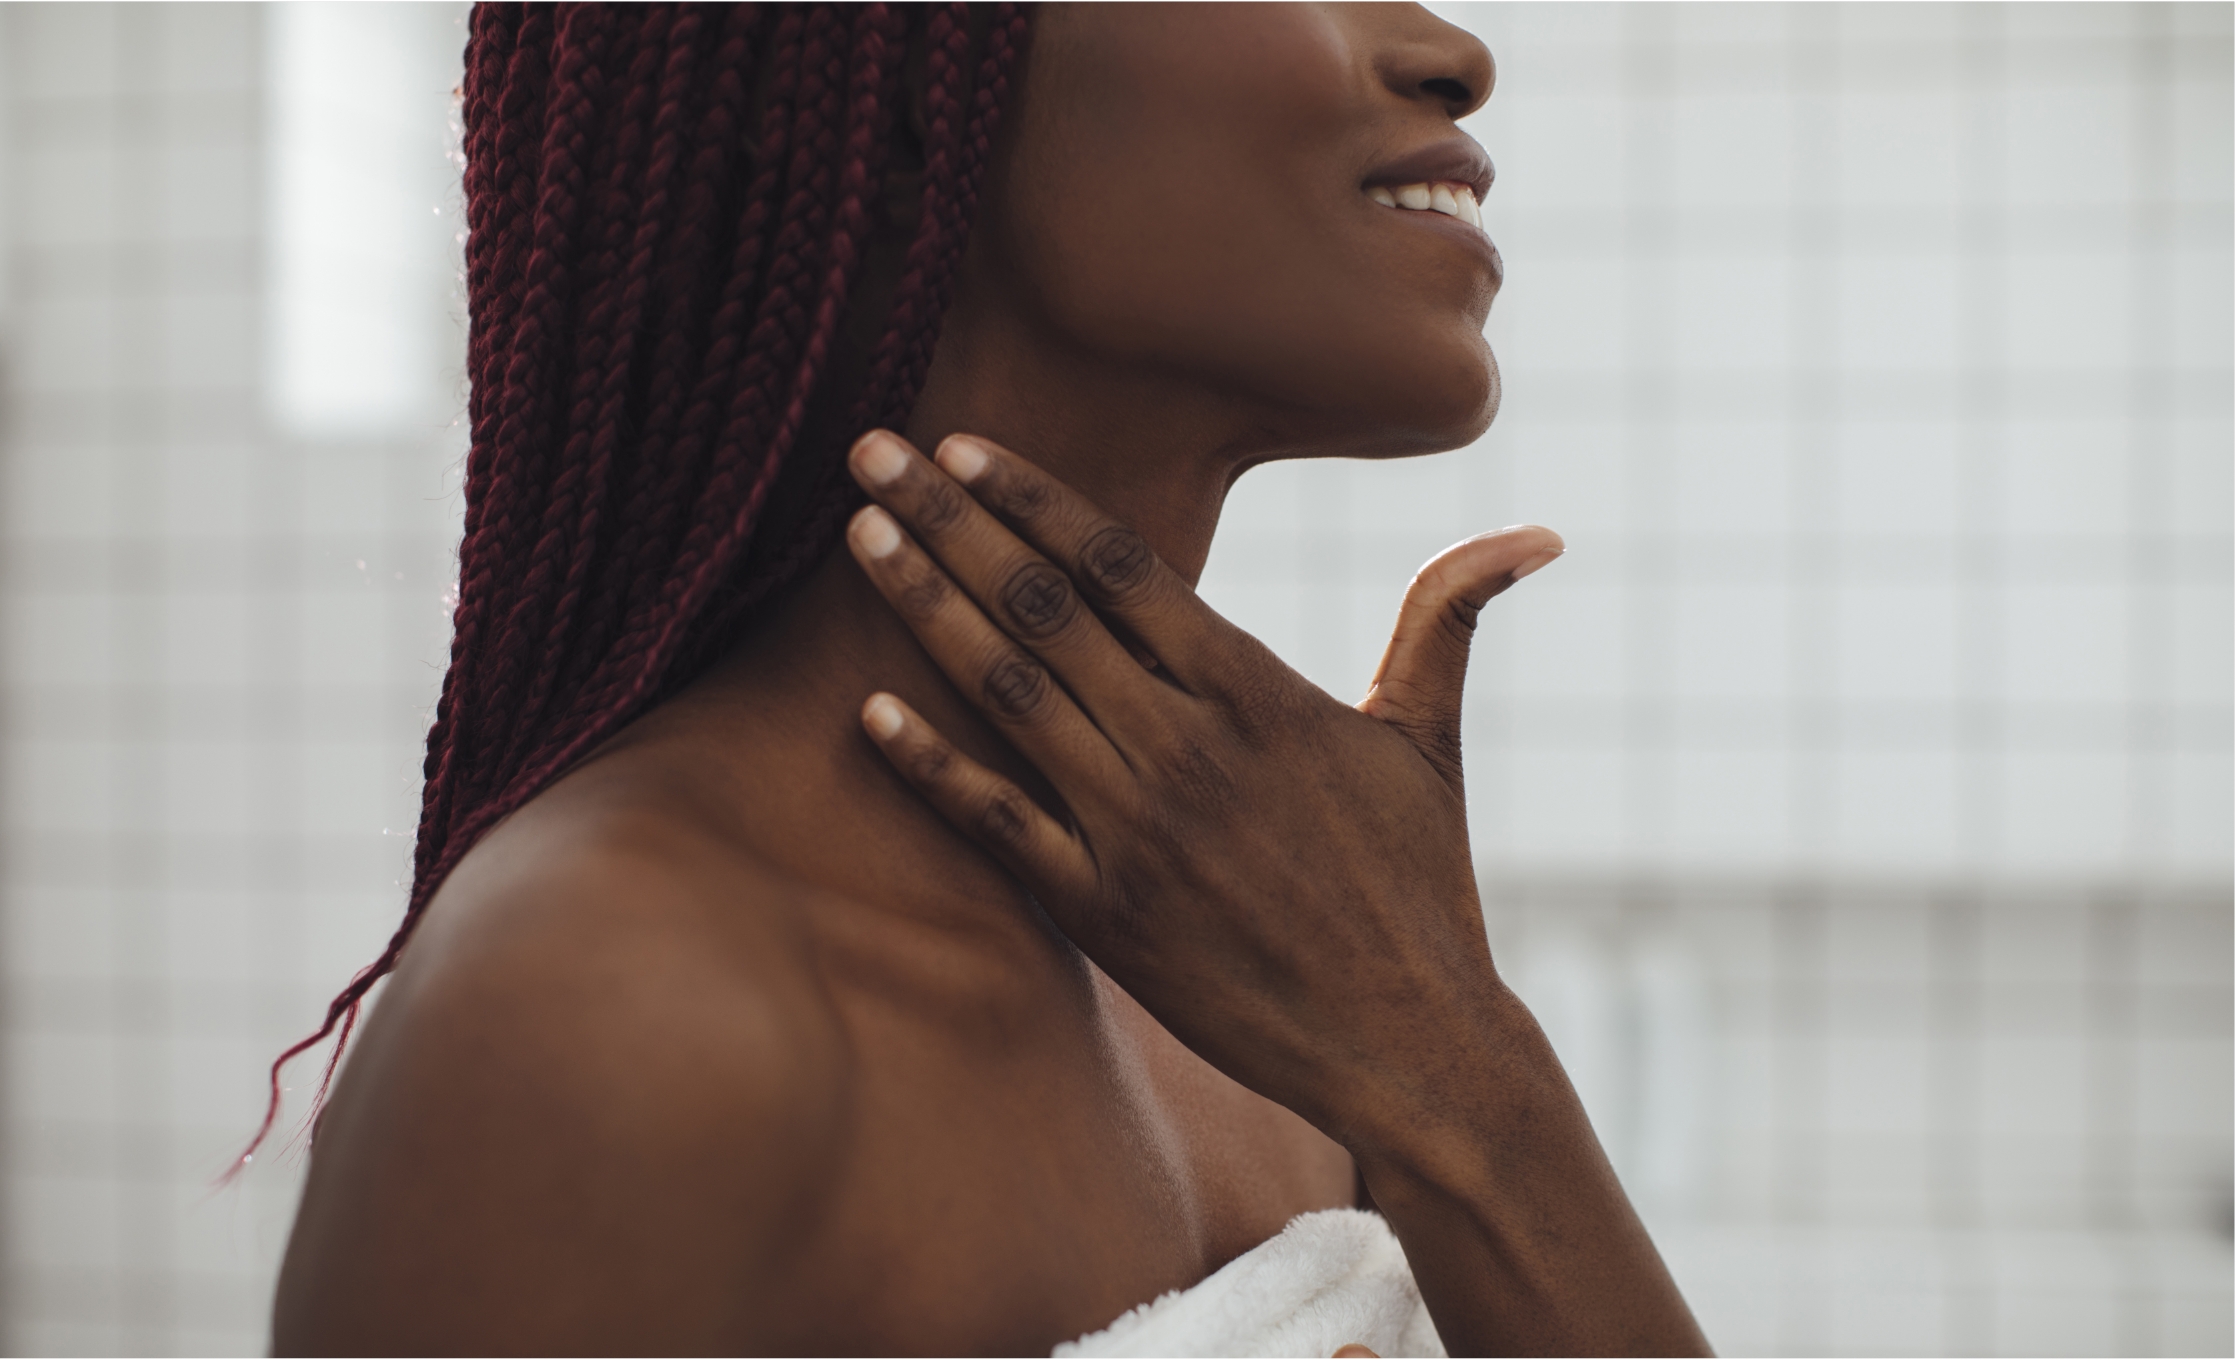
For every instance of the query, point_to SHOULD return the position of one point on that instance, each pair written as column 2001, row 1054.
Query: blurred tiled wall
column 1853, row 801
column 1874, row 361
column 1878, row 1119
column 218, row 646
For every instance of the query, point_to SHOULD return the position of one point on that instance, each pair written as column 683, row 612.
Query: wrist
column 1491, row 1084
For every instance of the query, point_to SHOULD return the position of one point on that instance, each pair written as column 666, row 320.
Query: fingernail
column 882, row 716
column 1534, row 563
column 880, row 458
column 963, row 459
column 875, row 533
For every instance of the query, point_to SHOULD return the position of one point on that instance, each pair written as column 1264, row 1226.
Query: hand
column 1281, row 879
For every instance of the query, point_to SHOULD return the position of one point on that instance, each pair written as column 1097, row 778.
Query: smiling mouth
column 1438, row 196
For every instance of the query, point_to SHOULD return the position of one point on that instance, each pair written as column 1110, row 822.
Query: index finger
column 1114, row 567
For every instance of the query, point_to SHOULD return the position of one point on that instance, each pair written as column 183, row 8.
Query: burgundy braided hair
column 668, row 210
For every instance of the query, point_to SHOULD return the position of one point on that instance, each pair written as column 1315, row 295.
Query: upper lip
column 1455, row 160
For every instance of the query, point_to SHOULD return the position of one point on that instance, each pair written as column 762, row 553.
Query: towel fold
column 1329, row 1279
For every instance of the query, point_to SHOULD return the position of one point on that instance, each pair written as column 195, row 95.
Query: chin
column 1450, row 411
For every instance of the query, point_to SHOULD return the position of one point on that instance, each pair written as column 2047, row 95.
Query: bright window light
column 363, row 216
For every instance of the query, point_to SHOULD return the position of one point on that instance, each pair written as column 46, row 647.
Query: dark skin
column 1098, row 944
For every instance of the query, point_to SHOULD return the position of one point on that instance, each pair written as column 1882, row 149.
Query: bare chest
column 1031, row 1161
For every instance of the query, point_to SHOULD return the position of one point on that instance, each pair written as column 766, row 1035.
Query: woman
column 742, row 1014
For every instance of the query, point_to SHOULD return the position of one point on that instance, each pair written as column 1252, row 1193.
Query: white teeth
column 1452, row 200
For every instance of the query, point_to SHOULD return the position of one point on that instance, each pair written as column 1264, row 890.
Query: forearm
column 1517, row 1230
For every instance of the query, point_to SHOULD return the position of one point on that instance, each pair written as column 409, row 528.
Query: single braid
column 668, row 208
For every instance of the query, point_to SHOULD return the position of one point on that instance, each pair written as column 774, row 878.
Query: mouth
column 1448, row 176
column 1434, row 196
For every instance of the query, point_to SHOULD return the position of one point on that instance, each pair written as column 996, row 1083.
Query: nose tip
column 1445, row 64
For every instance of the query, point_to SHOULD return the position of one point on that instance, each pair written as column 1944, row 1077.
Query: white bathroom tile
column 65, row 784
column 1895, row 642
column 2061, row 812
column 67, row 51
column 1731, row 313
column 90, row 1336
column 1569, row 643
column 2184, row 1086
column 2036, row 941
column 2201, row 137
column 1897, row 477
column 1897, row 311
column 207, row 192
column 63, row 640
column 1568, row 314
column 1565, row 149
column 1730, row 642
column 2201, row 322
column 51, row 931
column 1732, row 802
column 1732, row 147
column 1895, row 147
column 2067, row 476
column 1895, row 808
column 74, row 349
column 1564, row 806
column 2057, row 315
column 1879, row 1087
column 2066, row 642
column 2032, row 1086
column 211, row 638
column 62, row 1076
column 209, row 344
column 2062, row 1322
column 212, row 51
column 1730, row 476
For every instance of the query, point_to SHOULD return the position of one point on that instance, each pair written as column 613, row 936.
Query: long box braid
column 668, row 208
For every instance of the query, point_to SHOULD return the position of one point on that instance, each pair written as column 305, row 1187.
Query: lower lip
column 1475, row 238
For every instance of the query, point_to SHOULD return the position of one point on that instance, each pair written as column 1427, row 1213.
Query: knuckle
column 1116, row 561
column 1255, row 702
column 1125, row 916
column 1023, row 498
column 1197, row 773
column 922, row 593
column 1002, row 821
column 938, row 506
column 1016, row 687
column 1038, row 599
column 929, row 764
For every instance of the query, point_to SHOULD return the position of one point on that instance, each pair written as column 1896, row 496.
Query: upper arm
column 585, row 1124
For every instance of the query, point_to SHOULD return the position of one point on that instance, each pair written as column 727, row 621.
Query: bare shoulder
column 605, row 1087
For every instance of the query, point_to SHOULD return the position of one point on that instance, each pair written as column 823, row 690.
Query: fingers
column 1121, row 576
column 1008, row 684
column 979, row 803
column 1419, row 684
column 1020, row 591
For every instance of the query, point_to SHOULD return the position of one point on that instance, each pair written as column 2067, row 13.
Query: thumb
column 1418, row 685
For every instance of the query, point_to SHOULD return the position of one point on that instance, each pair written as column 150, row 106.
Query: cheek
column 1204, row 219
column 1314, row 311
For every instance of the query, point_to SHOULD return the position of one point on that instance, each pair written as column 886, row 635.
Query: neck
column 1152, row 452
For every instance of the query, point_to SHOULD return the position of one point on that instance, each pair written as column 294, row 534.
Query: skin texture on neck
column 1156, row 454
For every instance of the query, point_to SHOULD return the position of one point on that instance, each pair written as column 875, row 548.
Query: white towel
column 1328, row 1280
